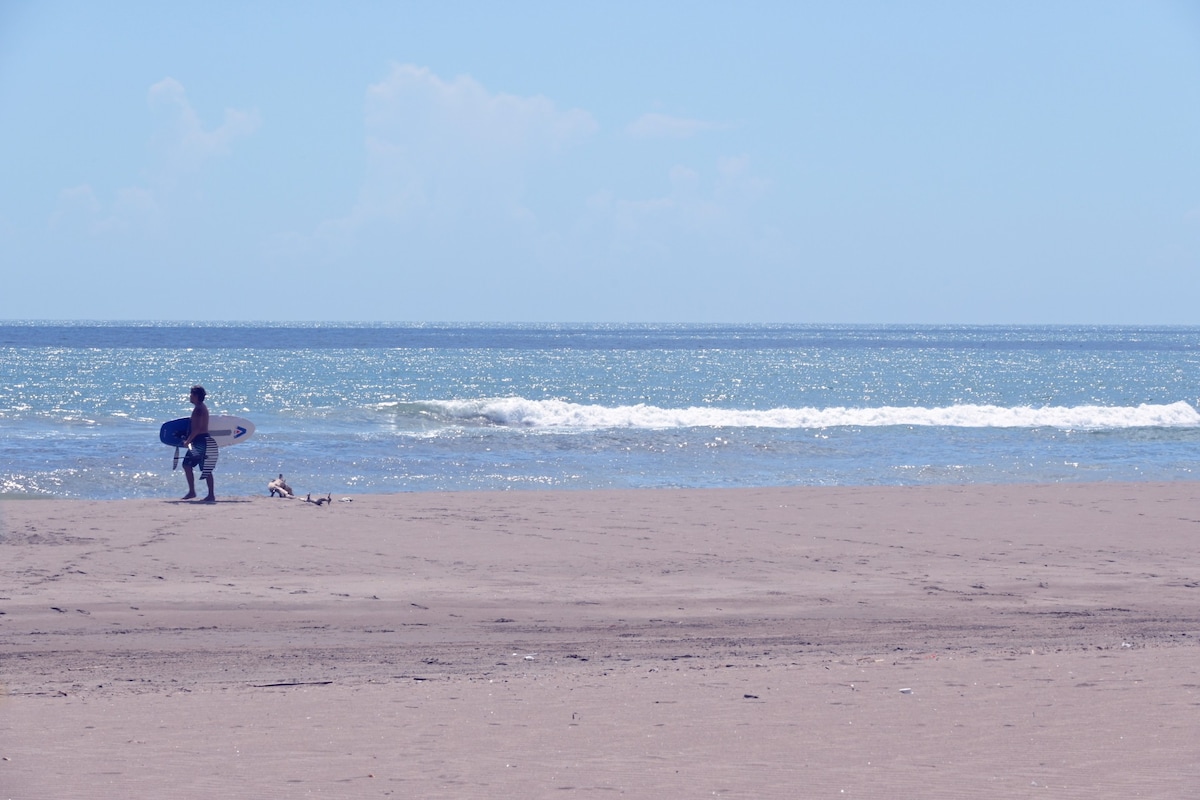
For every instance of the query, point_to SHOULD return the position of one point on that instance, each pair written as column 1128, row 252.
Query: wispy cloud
column 664, row 126
column 701, row 207
column 132, row 209
column 414, row 105
column 457, row 174
column 184, row 141
column 181, row 145
column 445, row 153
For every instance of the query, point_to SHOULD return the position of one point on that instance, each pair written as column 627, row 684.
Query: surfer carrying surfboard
column 202, row 448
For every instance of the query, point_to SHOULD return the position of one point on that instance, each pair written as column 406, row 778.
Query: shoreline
column 531, row 489
column 459, row 643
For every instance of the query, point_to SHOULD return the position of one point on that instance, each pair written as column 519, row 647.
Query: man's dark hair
column 199, row 390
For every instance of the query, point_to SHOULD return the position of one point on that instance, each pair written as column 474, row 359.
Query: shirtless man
column 202, row 450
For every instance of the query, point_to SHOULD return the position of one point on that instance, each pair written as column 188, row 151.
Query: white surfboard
column 224, row 429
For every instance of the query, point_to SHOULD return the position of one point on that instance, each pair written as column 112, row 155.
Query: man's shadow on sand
column 221, row 502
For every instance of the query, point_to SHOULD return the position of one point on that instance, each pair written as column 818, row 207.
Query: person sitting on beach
column 202, row 448
column 279, row 486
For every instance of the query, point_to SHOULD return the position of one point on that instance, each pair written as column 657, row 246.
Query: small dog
column 279, row 486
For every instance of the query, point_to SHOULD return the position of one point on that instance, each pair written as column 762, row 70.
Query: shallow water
column 380, row 408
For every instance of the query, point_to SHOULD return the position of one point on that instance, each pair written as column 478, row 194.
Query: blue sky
column 926, row 162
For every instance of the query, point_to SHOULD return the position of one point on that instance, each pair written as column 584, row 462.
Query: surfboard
column 226, row 430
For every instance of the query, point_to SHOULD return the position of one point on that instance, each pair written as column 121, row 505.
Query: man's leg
column 191, row 478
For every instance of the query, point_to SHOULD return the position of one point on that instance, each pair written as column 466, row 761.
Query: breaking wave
column 517, row 412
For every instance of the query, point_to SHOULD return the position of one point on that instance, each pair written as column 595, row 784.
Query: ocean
column 361, row 408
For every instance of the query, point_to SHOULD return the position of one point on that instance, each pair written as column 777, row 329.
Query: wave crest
column 518, row 412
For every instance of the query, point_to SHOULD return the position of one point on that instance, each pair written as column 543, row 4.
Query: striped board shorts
column 202, row 453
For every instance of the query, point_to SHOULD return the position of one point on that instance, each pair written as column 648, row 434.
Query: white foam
column 559, row 414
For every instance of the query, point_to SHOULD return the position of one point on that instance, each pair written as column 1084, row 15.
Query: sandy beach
column 966, row 641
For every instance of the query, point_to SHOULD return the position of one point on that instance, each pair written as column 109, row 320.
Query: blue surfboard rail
column 174, row 432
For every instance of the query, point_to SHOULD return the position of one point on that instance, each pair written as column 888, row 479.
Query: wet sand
column 976, row 641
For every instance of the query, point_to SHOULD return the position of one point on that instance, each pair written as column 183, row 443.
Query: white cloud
column 664, row 126
column 444, row 155
column 507, row 189
column 181, row 144
column 184, row 141
column 736, row 182
column 701, row 208
column 77, row 205
column 414, row 106
column 132, row 209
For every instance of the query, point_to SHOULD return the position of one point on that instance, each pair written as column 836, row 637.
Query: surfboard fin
column 175, row 466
